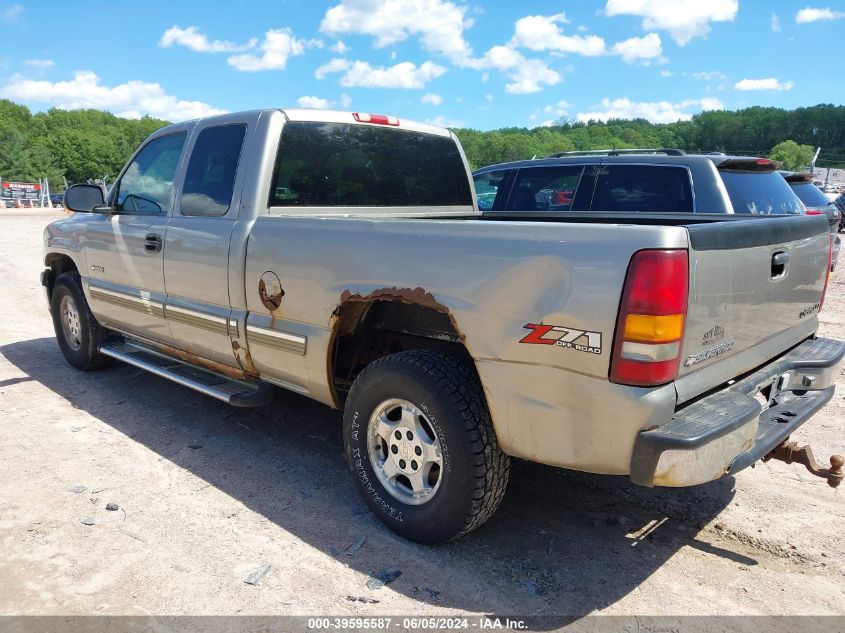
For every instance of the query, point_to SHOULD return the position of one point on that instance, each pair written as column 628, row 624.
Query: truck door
column 196, row 258
column 124, row 249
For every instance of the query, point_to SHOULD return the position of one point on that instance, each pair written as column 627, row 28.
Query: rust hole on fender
column 366, row 327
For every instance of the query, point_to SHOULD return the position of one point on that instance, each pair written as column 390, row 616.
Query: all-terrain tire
column 80, row 348
column 474, row 473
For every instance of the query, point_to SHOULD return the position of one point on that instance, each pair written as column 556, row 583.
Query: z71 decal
column 570, row 338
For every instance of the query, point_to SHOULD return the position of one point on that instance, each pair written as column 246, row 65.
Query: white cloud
column 313, row 102
column 431, row 99
column 439, row 24
column 131, row 100
column 711, row 103
column 501, row 57
column 40, row 64
column 809, row 14
column 542, row 33
column 667, row 73
column 334, row 66
column 655, row 111
column 193, row 39
column 11, row 13
column 709, row 75
column 775, row 23
column 339, row 47
column 639, row 48
column 319, row 103
column 488, row 97
column 360, row 74
column 278, row 45
column 683, row 19
column 559, row 109
column 769, row 83
column 442, row 121
column 528, row 75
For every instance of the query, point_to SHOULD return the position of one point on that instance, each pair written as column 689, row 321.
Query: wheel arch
column 58, row 264
column 366, row 328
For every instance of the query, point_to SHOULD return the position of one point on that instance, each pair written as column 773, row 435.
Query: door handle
column 152, row 242
column 779, row 262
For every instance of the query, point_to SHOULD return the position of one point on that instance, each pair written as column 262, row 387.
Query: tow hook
column 790, row 452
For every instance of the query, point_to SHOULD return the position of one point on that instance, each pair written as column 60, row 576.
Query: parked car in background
column 57, row 200
column 817, row 203
column 840, row 204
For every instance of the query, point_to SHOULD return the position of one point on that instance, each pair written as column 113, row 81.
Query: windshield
column 760, row 193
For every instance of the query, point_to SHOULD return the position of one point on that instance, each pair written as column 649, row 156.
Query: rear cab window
column 347, row 165
column 760, row 192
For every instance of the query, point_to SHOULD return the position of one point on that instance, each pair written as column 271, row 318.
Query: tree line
column 77, row 145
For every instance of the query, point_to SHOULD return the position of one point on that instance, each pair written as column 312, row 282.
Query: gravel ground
column 208, row 494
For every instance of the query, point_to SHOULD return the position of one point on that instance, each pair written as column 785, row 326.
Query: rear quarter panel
column 549, row 403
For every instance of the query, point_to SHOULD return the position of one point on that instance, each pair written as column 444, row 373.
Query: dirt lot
column 208, row 494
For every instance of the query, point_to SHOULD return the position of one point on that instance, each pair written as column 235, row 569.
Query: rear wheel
column 77, row 331
column 421, row 446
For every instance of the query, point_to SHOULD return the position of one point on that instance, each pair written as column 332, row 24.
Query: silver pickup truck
column 343, row 256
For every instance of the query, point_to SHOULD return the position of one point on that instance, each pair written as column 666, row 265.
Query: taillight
column 378, row 119
column 827, row 273
column 814, row 212
column 647, row 348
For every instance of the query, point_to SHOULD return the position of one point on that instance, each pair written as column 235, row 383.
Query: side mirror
column 83, row 198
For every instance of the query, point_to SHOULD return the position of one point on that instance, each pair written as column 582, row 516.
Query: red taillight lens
column 814, row 212
column 647, row 348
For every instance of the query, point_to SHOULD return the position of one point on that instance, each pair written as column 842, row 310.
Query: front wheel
column 77, row 331
column 421, row 446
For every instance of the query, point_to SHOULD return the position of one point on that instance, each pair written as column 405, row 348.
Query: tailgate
column 755, row 290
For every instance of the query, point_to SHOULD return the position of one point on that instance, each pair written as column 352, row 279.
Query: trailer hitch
column 790, row 452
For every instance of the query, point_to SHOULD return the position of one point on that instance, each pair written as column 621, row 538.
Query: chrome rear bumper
column 722, row 433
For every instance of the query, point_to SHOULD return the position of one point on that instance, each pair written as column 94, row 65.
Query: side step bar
column 238, row 393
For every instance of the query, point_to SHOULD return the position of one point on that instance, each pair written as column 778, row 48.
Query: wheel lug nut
column 401, row 463
column 409, row 435
column 418, row 451
column 398, row 435
column 394, row 449
column 414, row 465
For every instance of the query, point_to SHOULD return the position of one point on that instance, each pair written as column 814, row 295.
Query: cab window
column 545, row 188
column 210, row 177
column 643, row 188
column 146, row 187
column 488, row 187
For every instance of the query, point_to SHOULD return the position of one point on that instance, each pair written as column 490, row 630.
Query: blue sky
column 479, row 64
